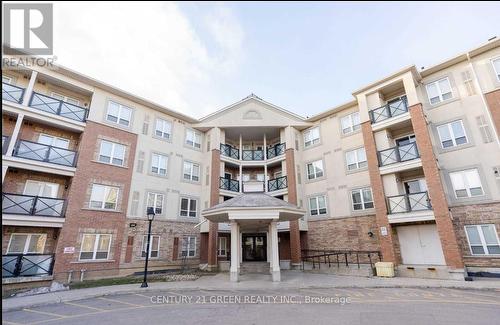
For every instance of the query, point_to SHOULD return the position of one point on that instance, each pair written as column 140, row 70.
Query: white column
column 234, row 252
column 29, row 90
column 15, row 134
column 275, row 268
column 4, row 171
column 268, row 248
column 241, row 178
column 240, row 247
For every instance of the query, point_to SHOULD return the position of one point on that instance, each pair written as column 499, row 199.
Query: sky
column 198, row 57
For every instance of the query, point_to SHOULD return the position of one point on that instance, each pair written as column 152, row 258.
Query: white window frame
column 452, row 134
column 107, row 188
column 497, row 72
column 318, row 208
column 155, row 200
column 440, row 93
column 308, row 137
column 466, row 183
column 26, row 244
column 358, row 164
column 363, row 203
column 121, row 108
column 163, row 133
column 42, row 184
column 188, row 211
column 53, row 139
column 350, row 121
column 64, row 98
column 191, row 171
column 161, row 158
column 187, row 246
column 94, row 249
column 145, row 243
column 314, row 166
column 481, row 237
column 192, row 136
column 220, row 246
column 113, row 149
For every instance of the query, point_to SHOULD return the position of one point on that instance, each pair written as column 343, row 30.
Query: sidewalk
column 220, row 282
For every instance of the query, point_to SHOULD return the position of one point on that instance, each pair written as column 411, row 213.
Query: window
column 311, row 137
column 452, row 134
column 356, row 159
column 155, row 200
column 193, row 138
column 189, row 246
column 191, row 171
column 104, row 197
column 466, row 183
column 496, row 67
column 154, row 246
column 112, row 153
column 350, row 123
column 26, row 244
column 66, row 99
column 317, row 205
column 439, row 91
column 315, row 169
column 119, row 114
column 483, row 239
column 362, row 199
column 163, row 129
column 188, row 207
column 159, row 164
column 222, row 250
column 53, row 141
column 37, row 188
column 95, row 247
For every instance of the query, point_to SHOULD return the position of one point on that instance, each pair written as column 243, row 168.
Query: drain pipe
column 70, row 276
column 82, row 273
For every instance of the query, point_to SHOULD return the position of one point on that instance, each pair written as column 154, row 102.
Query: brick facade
column 214, row 200
column 15, row 181
column 295, row 250
column 50, row 242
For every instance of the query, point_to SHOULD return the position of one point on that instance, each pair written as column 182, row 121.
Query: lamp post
column 151, row 216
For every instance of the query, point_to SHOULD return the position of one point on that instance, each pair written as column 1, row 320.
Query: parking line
column 84, row 306
column 44, row 313
column 120, row 302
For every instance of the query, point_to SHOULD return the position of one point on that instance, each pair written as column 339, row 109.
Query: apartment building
column 409, row 168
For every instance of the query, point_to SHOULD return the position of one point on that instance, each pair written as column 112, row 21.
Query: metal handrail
column 59, row 107
column 409, row 202
column 32, row 205
column 229, row 184
column 278, row 183
column 16, row 265
column 46, row 153
column 12, row 93
column 276, row 150
column 316, row 255
column 229, row 151
column 252, row 155
column 398, row 154
column 394, row 108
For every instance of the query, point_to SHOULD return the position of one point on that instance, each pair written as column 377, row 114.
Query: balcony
column 391, row 109
column 45, row 153
column 229, row 184
column 12, row 93
column 29, row 205
column 253, row 186
column 229, row 151
column 58, row 107
column 252, row 155
column 276, row 150
column 409, row 202
column 27, row 265
column 277, row 184
column 398, row 154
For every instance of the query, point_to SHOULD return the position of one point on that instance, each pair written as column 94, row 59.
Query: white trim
column 106, row 188
column 191, row 171
column 195, row 134
column 121, row 108
column 497, row 73
column 452, row 134
column 357, row 162
column 156, row 194
column 318, row 208
column 163, row 122
column 188, row 244
column 112, row 155
column 144, row 244
column 352, row 127
column 440, row 92
column 309, row 133
column 224, row 239
column 465, row 181
column 94, row 249
column 188, row 211
column 53, row 138
column 160, row 156
column 312, row 163
column 481, row 237
column 363, row 203
column 26, row 244
column 40, row 190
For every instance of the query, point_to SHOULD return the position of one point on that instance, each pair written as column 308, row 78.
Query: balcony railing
column 229, row 184
column 58, row 107
column 276, row 184
column 30, row 205
column 16, row 265
column 5, row 144
column 229, row 151
column 394, row 108
column 409, row 202
column 276, row 150
column 12, row 93
column 398, row 154
column 252, row 154
column 42, row 152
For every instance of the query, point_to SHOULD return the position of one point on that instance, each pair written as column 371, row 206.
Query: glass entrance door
column 254, row 247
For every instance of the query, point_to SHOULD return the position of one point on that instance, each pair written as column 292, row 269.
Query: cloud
column 152, row 50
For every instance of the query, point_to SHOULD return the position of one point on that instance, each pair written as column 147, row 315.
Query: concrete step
column 254, row 267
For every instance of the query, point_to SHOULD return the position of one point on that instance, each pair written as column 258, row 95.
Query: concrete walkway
column 248, row 282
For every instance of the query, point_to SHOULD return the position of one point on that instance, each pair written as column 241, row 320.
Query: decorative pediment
column 252, row 114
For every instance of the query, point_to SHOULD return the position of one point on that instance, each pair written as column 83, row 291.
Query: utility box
column 385, row 269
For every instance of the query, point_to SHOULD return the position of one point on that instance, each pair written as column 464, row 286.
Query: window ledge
column 92, row 261
column 111, row 165
column 102, row 210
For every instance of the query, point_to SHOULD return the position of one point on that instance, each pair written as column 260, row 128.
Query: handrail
column 229, row 184
column 229, row 151
column 252, row 155
column 315, row 256
column 417, row 201
column 33, row 205
column 59, row 107
column 398, row 154
column 16, row 265
column 277, row 183
column 46, row 153
column 391, row 109
column 276, row 150
column 12, row 93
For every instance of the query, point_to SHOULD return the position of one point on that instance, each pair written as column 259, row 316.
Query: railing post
column 19, row 265
column 407, row 202
column 398, row 154
column 33, row 206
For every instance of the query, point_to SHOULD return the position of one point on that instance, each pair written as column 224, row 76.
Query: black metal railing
column 5, row 144
column 56, row 106
column 339, row 257
column 252, row 155
column 16, row 265
column 398, row 154
column 229, row 184
column 278, row 183
column 276, row 150
column 42, row 152
column 229, row 151
column 409, row 202
column 391, row 109
column 32, row 205
column 12, row 93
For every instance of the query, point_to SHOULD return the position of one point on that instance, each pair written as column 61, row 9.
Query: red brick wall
column 15, row 181
column 213, row 227
column 295, row 251
column 493, row 100
column 50, row 242
column 31, row 131
column 284, row 245
column 80, row 219
column 8, row 124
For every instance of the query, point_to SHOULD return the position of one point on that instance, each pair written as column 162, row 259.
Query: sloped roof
column 253, row 200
